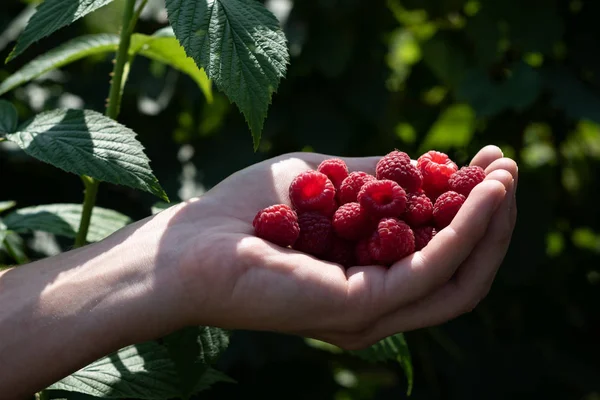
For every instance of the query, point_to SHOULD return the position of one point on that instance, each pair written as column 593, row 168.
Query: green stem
column 89, row 200
column 114, row 96
column 112, row 110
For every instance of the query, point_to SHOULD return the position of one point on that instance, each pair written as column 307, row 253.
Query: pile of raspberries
column 354, row 218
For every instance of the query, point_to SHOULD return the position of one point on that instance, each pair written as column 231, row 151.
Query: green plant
column 238, row 45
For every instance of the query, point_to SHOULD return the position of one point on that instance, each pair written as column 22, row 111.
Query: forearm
column 58, row 314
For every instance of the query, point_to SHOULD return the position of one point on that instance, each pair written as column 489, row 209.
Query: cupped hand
column 230, row 278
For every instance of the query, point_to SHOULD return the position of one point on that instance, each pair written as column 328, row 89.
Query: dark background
column 366, row 77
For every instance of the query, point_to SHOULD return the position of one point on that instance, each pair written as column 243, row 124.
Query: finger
column 486, row 156
column 418, row 274
column 504, row 163
column 458, row 296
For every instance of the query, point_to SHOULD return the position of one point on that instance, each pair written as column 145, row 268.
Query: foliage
column 240, row 45
column 365, row 77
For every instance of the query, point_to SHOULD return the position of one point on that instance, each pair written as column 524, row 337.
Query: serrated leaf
column 8, row 117
column 50, row 16
column 63, row 220
column 164, row 47
column 66, row 53
column 392, row 348
column 571, row 95
column 192, row 350
column 7, row 205
column 85, row 142
column 240, row 45
column 142, row 371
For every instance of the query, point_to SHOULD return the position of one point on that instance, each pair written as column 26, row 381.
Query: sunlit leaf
column 240, row 45
column 86, row 142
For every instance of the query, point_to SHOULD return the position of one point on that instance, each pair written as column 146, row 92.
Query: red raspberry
column 335, row 169
column 422, row 236
column 436, row 169
column 465, row 179
column 313, row 191
column 382, row 198
column 277, row 224
column 350, row 186
column 341, row 252
column 396, row 166
column 446, row 207
column 350, row 221
column 419, row 210
column 392, row 241
column 361, row 252
column 316, row 233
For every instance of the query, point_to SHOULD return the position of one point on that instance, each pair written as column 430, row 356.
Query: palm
column 257, row 285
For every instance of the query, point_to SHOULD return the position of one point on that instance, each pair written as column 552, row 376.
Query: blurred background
column 367, row 76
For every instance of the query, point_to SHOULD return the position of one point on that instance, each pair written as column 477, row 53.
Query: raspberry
column 446, row 207
column 382, row 198
column 396, row 166
column 361, row 252
column 419, row 210
column 277, row 224
column 423, row 235
column 392, row 241
column 313, row 191
column 350, row 221
column 341, row 252
column 316, row 233
column 436, row 169
column 350, row 186
column 465, row 179
column 335, row 169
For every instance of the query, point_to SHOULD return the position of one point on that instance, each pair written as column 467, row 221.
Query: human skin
column 198, row 263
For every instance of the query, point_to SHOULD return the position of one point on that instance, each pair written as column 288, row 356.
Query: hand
column 229, row 278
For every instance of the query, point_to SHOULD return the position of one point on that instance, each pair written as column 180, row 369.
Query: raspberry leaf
column 85, row 142
column 15, row 247
column 392, row 348
column 240, row 45
column 64, row 54
column 141, row 371
column 50, row 16
column 161, row 46
column 8, row 117
column 63, row 220
column 192, row 350
column 7, row 205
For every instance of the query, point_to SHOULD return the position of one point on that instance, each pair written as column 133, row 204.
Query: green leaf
column 85, row 142
column 14, row 245
column 142, row 371
column 160, row 206
column 192, row 350
column 240, row 45
column 519, row 90
column 63, row 220
column 164, row 47
column 454, row 128
column 67, row 53
column 392, row 348
column 8, row 117
column 7, row 205
column 50, row 16
column 3, row 232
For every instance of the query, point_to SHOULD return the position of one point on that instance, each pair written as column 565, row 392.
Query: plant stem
column 112, row 110
column 89, row 200
column 114, row 96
